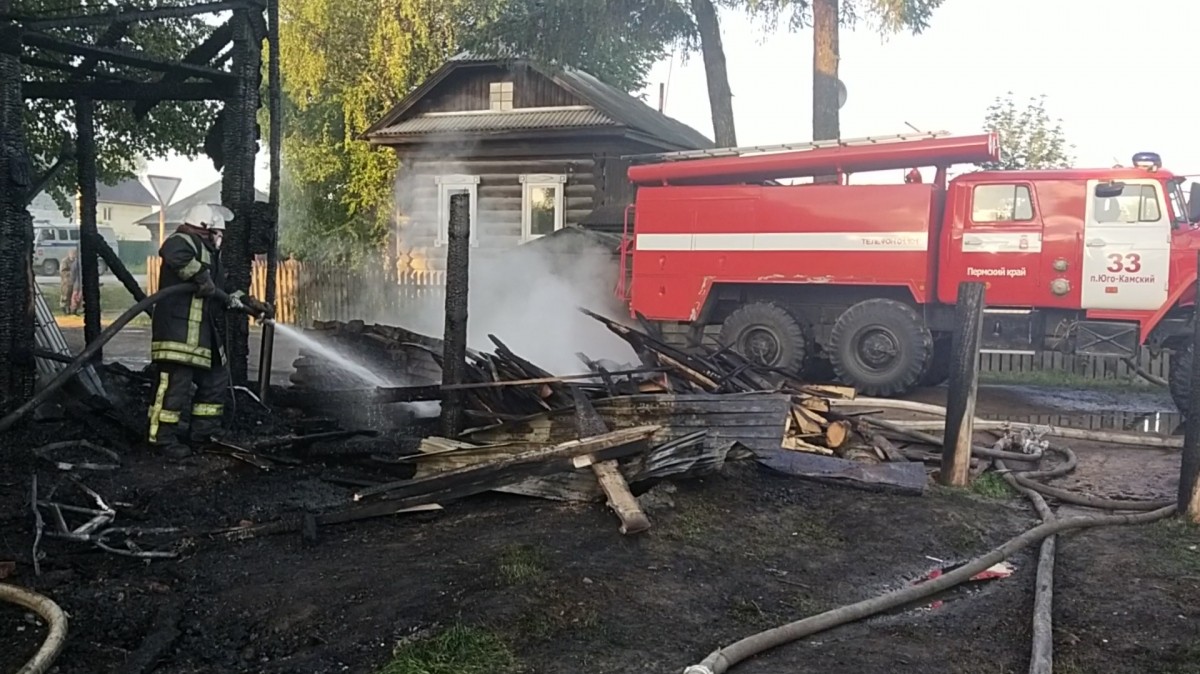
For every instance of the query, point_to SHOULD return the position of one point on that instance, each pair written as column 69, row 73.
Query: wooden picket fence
column 307, row 292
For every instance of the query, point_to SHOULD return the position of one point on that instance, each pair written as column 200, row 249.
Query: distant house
column 178, row 210
column 535, row 148
column 121, row 205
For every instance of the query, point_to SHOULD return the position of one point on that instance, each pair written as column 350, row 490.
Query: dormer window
column 501, row 95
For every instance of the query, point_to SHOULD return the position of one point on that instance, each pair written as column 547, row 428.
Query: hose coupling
column 698, row 669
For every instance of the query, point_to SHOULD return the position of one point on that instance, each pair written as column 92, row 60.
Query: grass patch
column 457, row 650
column 692, row 522
column 992, row 485
column 1059, row 379
column 809, row 529
column 539, row 623
column 521, row 564
column 1178, row 542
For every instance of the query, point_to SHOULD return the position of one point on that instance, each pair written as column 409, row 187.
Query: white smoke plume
column 528, row 295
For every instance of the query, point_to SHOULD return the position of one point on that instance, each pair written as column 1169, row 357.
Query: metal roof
column 541, row 118
column 128, row 191
column 620, row 108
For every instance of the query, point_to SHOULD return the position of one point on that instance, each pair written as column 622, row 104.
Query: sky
column 1117, row 73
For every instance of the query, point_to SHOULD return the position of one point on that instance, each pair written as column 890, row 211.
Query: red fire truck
column 864, row 277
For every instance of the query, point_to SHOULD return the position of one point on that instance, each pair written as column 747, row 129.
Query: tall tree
column 1029, row 138
column 826, row 18
column 346, row 63
column 720, row 95
column 617, row 41
column 121, row 139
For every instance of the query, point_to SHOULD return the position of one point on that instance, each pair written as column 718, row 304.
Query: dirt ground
column 527, row 585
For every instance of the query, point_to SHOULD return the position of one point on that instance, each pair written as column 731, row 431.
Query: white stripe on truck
column 786, row 241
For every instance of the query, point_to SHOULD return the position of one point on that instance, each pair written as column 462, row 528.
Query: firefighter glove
column 259, row 308
column 205, row 283
column 235, row 302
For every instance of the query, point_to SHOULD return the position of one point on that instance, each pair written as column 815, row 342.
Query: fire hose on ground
column 1041, row 659
column 56, row 621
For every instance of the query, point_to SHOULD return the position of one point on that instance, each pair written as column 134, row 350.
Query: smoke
column 527, row 295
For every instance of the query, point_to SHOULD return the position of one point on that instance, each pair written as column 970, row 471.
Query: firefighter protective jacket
column 185, row 326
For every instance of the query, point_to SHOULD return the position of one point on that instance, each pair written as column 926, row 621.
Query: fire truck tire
column 1179, row 378
column 938, row 369
column 765, row 331
column 881, row 347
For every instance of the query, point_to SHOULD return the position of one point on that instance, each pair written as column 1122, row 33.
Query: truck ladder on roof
column 749, row 150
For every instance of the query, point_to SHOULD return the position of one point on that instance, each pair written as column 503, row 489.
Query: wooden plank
column 485, row 477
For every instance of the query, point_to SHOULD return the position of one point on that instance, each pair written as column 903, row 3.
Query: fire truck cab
column 857, row 283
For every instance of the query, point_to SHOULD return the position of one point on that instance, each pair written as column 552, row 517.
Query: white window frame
column 532, row 182
column 500, row 96
column 451, row 183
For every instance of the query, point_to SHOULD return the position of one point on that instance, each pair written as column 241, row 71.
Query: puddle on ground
column 1151, row 423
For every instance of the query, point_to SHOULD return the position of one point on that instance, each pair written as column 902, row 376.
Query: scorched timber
column 756, row 421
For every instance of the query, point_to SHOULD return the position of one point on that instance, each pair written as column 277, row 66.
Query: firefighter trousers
column 173, row 393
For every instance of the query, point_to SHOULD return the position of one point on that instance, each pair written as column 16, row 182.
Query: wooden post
column 17, row 371
column 85, row 162
column 454, row 355
column 1189, row 462
column 964, row 382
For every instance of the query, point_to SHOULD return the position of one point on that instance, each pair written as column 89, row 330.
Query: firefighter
column 185, row 344
column 66, row 280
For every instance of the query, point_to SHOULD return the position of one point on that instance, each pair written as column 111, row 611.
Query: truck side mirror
column 1193, row 205
column 1109, row 190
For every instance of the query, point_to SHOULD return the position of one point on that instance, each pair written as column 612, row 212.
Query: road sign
column 164, row 188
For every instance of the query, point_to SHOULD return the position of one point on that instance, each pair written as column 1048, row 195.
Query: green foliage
column 618, row 41
column 345, row 63
column 1029, row 138
column 885, row 16
column 458, row 650
column 121, row 141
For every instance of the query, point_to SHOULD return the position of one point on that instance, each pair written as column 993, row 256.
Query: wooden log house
column 537, row 148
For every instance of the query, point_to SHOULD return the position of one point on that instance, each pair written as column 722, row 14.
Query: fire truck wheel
column 881, row 347
column 1179, row 378
column 767, row 334
column 938, row 370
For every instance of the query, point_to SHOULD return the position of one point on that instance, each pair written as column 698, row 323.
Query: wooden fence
column 377, row 293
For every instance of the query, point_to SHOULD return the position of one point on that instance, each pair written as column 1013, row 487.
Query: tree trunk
column 826, row 125
column 720, row 97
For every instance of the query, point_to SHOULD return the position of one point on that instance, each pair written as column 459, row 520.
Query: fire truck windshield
column 1179, row 206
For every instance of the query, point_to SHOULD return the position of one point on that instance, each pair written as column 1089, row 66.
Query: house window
column 1001, row 203
column 106, row 214
column 501, row 95
column 448, row 186
column 541, row 205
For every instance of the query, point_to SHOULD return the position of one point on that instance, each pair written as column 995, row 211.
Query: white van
column 51, row 243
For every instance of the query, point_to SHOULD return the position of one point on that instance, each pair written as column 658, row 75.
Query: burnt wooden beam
column 132, row 59
column 1189, row 460
column 238, row 148
column 74, row 71
column 125, row 91
column 85, row 162
column 17, row 372
column 127, row 16
column 201, row 54
column 963, row 386
column 454, row 366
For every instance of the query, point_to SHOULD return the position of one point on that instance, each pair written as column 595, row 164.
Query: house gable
column 471, row 98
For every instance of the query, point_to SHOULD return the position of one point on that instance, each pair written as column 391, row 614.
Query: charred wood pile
column 599, row 434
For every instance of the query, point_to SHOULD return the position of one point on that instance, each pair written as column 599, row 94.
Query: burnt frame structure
column 232, row 143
